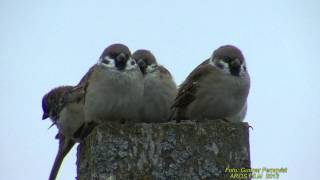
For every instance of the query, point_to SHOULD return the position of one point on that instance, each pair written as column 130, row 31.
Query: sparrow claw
column 54, row 123
column 248, row 126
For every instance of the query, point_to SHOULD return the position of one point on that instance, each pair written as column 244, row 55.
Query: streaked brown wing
column 78, row 92
column 164, row 72
column 85, row 78
column 188, row 88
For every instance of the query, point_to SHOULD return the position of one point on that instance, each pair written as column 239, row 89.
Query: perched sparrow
column 217, row 89
column 159, row 88
column 65, row 109
column 113, row 87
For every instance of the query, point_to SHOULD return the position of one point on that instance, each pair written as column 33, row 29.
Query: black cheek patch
column 105, row 61
column 221, row 66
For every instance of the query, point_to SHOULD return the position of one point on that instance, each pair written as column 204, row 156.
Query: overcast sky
column 47, row 44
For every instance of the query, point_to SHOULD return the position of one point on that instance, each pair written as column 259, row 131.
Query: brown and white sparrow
column 159, row 88
column 64, row 107
column 216, row 89
column 113, row 87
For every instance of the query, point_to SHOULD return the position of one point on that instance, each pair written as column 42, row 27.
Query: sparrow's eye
column 151, row 68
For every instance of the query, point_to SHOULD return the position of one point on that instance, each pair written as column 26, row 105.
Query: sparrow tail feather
column 65, row 145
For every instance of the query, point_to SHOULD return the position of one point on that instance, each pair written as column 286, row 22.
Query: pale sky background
column 46, row 44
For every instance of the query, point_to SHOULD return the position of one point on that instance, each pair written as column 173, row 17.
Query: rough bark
column 187, row 150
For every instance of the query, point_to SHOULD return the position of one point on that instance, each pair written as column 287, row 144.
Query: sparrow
column 113, row 87
column 64, row 107
column 159, row 88
column 217, row 89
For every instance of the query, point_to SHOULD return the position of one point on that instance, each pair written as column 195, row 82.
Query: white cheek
column 244, row 66
column 243, row 69
column 111, row 63
column 107, row 65
column 151, row 68
column 211, row 62
column 221, row 65
column 99, row 61
column 224, row 65
column 131, row 64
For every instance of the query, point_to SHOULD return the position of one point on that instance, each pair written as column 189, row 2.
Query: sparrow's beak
column 235, row 67
column 121, row 57
column 121, row 61
column 142, row 66
column 45, row 116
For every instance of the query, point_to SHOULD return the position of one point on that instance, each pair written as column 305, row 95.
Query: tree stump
column 186, row 150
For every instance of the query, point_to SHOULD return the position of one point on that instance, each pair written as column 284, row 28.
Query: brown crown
column 145, row 55
column 229, row 51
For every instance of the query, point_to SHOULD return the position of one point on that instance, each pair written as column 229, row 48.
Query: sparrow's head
column 52, row 102
column 146, row 61
column 118, row 57
column 229, row 59
column 46, row 101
